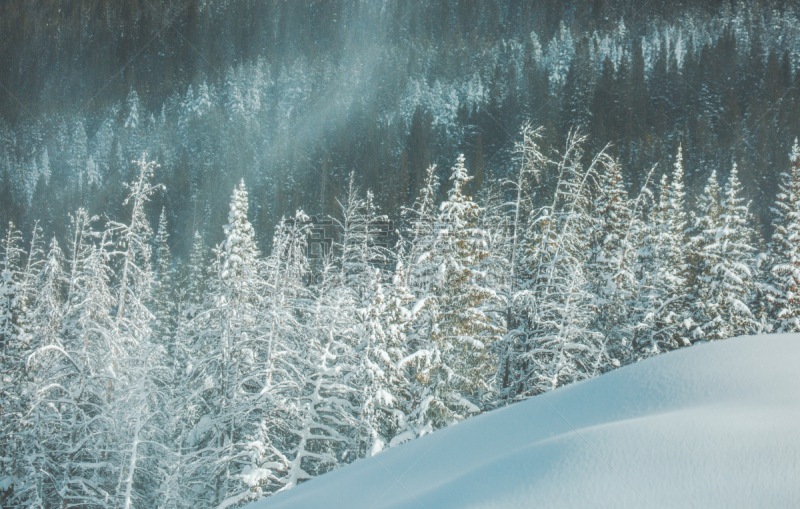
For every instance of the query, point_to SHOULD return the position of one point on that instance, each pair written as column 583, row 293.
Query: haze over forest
column 294, row 96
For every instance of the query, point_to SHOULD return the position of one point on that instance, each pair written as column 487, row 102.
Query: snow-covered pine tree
column 497, row 225
column 90, row 475
column 531, row 165
column 663, row 283
column 420, row 236
column 143, row 376
column 34, row 258
column 722, row 251
column 42, row 431
column 225, row 458
column 134, row 253
column 783, row 282
column 180, row 482
column 455, row 365
column 328, row 428
column 554, row 302
column 337, row 385
column 391, row 386
column 163, row 302
column 12, row 275
column 290, row 348
column 364, row 262
column 613, row 259
column 189, row 283
column 12, row 373
column 358, row 249
column 196, row 276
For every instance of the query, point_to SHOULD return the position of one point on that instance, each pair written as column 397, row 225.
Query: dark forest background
column 293, row 96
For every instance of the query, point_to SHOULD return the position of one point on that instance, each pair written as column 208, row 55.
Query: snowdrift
column 714, row 425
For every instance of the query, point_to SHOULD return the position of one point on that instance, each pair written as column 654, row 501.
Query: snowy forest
column 246, row 243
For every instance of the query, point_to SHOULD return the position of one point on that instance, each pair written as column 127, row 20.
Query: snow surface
column 714, row 425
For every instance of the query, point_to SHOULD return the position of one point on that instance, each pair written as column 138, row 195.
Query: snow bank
column 714, row 425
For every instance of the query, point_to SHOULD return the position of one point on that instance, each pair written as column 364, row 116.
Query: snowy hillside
column 715, row 425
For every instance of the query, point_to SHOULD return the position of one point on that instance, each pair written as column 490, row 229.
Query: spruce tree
column 722, row 249
column 459, row 365
column 163, row 301
column 12, row 352
column 43, row 431
column 612, row 266
column 783, row 281
column 226, row 438
column 555, row 303
column 137, row 389
column 663, row 280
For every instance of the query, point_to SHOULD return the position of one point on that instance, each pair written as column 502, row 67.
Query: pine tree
column 612, row 266
column 362, row 301
column 43, row 430
column 555, row 303
column 229, row 452
column 134, row 252
column 420, row 235
column 10, row 290
column 663, row 280
column 163, row 302
column 456, row 365
column 34, row 258
column 13, row 401
column 139, row 363
column 90, row 341
column 782, row 284
column 359, row 248
column 299, row 423
column 389, row 404
column 532, row 165
column 724, row 278
column 196, row 273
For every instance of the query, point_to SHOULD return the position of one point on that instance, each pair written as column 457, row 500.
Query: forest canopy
column 245, row 243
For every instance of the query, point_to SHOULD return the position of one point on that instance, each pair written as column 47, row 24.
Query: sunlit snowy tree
column 560, row 345
column 722, row 253
column 782, row 290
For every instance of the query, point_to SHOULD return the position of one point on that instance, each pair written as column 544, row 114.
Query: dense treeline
column 68, row 48
column 294, row 96
column 129, row 380
column 142, row 368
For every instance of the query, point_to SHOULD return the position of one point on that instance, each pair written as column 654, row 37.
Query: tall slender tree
column 784, row 276
column 724, row 270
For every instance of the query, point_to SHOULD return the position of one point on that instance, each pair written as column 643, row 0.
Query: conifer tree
column 784, row 277
column 12, row 373
column 227, row 442
column 421, row 234
column 560, row 345
column 724, row 278
column 664, row 290
column 297, row 435
column 163, row 302
column 392, row 388
column 459, row 366
column 613, row 261
column 10, row 290
column 44, row 429
column 362, row 298
column 532, row 164
column 196, row 276
column 34, row 258
column 139, row 377
column 90, row 340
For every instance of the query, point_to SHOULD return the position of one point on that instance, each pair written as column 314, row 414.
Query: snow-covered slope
column 714, row 425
